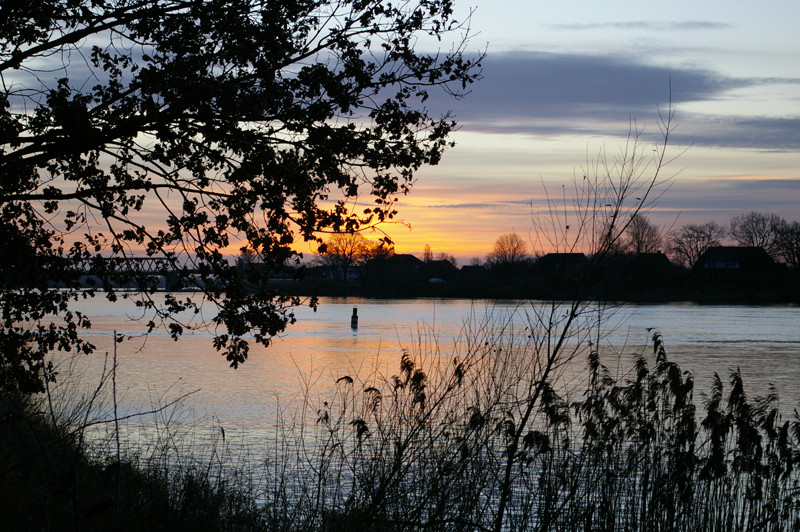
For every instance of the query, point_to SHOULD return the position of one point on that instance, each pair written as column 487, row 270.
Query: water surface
column 303, row 363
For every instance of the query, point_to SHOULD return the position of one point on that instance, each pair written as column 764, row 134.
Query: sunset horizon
column 560, row 86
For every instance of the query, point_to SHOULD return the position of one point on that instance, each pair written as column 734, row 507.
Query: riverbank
column 732, row 277
column 678, row 291
column 52, row 478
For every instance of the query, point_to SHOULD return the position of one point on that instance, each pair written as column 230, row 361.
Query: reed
column 633, row 452
column 66, row 465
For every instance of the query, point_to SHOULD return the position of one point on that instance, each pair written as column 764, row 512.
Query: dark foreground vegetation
column 457, row 445
column 51, row 478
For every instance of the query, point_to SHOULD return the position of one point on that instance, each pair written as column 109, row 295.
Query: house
column 353, row 272
column 561, row 266
column 637, row 271
column 473, row 272
column 395, row 273
column 734, row 263
column 440, row 269
column 404, row 266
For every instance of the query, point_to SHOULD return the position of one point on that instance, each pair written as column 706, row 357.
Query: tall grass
column 429, row 449
column 66, row 464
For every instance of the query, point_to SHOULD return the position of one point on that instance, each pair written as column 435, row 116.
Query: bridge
column 136, row 265
column 130, row 272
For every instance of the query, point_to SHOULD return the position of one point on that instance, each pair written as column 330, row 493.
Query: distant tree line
column 779, row 237
column 512, row 253
column 683, row 245
column 342, row 251
column 642, row 258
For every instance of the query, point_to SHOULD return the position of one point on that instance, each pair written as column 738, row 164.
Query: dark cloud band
column 649, row 25
column 565, row 94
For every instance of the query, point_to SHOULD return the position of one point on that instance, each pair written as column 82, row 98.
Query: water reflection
column 321, row 347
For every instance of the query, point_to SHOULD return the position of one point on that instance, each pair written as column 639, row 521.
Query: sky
column 564, row 81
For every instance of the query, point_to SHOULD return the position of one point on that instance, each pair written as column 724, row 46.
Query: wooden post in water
column 354, row 319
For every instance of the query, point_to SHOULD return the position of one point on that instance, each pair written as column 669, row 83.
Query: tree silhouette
column 787, row 240
column 509, row 248
column 689, row 242
column 756, row 229
column 641, row 236
column 427, row 253
column 185, row 130
column 448, row 257
column 341, row 251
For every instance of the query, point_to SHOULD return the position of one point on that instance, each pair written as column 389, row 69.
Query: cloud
column 779, row 134
column 552, row 94
column 721, row 198
column 500, row 204
column 649, row 25
column 555, row 94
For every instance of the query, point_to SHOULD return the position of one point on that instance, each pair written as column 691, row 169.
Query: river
column 304, row 362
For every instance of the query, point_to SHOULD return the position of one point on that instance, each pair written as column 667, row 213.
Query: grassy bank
column 52, row 478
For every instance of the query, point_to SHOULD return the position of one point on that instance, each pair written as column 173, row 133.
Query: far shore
column 683, row 293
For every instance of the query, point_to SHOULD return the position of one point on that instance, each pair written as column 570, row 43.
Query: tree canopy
column 788, row 242
column 343, row 250
column 509, row 248
column 756, row 229
column 689, row 242
column 187, row 129
column 641, row 236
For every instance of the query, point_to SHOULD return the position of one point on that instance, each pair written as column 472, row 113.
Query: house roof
column 557, row 261
column 403, row 259
column 654, row 263
column 564, row 257
column 746, row 257
column 440, row 268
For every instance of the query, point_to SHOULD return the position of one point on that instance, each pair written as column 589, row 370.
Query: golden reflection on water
column 304, row 363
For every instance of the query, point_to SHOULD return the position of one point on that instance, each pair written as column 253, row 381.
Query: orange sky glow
column 563, row 86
